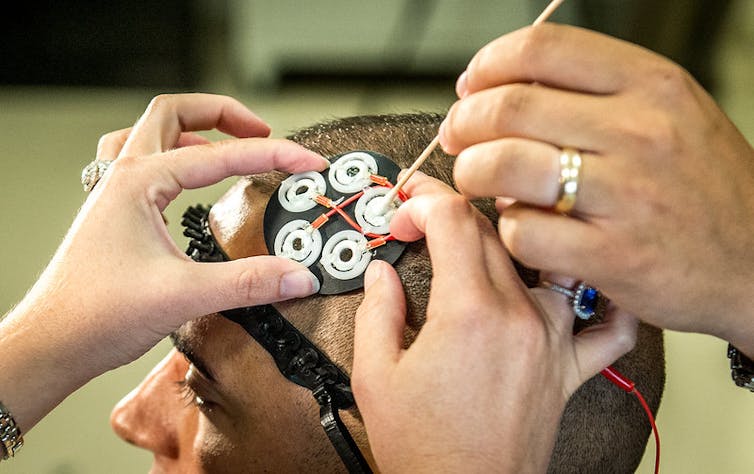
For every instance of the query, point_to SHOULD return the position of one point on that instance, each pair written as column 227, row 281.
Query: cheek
column 275, row 434
column 214, row 451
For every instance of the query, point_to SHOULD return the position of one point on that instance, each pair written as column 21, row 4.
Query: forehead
column 237, row 219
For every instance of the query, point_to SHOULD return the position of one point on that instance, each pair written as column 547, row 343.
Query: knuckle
column 125, row 164
column 654, row 135
column 160, row 103
column 106, row 138
column 250, row 286
column 642, row 258
column 515, row 238
column 534, row 42
column 664, row 137
column 453, row 205
column 484, row 60
column 513, row 101
column 454, row 124
column 359, row 381
column 671, row 82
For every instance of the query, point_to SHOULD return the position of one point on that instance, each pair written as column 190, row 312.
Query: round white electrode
column 350, row 173
column 297, row 192
column 298, row 241
column 369, row 210
column 345, row 255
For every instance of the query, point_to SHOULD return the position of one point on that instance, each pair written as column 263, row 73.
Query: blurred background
column 72, row 71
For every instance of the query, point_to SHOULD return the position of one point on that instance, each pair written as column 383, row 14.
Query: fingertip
column 375, row 270
column 298, row 284
column 443, row 134
column 257, row 127
column 462, row 85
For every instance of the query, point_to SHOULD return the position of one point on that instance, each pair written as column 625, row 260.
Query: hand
column 118, row 284
column 490, row 372
column 662, row 222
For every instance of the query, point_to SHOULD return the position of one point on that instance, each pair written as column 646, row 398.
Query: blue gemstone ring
column 586, row 301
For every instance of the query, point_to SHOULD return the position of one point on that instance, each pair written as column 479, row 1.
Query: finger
column 562, row 280
column 191, row 139
column 600, row 345
column 529, row 171
column 423, row 185
column 464, row 250
column 553, row 242
column 111, row 143
column 380, row 320
column 502, row 203
column 195, row 167
column 167, row 116
column 420, row 184
column 248, row 281
column 536, row 112
column 557, row 55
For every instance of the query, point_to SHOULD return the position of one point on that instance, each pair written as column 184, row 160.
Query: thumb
column 600, row 345
column 378, row 338
column 248, row 281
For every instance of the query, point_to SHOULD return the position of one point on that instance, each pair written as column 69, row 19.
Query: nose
column 148, row 416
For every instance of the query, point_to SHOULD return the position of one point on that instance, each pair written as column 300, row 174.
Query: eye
column 190, row 394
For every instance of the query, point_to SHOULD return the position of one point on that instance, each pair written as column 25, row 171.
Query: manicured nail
column 441, row 131
column 298, row 283
column 461, row 86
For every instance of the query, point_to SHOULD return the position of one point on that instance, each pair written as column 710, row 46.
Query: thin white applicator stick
column 390, row 196
column 549, row 9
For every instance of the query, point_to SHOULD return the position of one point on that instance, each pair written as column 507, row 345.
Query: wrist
column 38, row 369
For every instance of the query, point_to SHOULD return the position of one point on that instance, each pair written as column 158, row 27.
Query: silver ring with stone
column 93, row 172
column 586, row 301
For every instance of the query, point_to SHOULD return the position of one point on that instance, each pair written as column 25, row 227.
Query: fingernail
column 373, row 273
column 325, row 161
column 298, row 283
column 441, row 133
column 461, row 86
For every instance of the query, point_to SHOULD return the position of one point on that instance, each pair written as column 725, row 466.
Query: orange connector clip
column 381, row 180
column 378, row 242
column 323, row 201
column 320, row 221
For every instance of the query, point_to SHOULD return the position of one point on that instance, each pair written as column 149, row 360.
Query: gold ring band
column 570, row 170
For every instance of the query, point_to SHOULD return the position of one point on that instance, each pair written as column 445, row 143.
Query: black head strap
column 297, row 358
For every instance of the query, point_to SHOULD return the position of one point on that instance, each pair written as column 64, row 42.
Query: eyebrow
column 184, row 346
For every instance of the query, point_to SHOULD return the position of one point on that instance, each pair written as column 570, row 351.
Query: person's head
column 248, row 418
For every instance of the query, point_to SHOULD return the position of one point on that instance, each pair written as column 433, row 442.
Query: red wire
column 625, row 384
column 654, row 428
column 338, row 208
